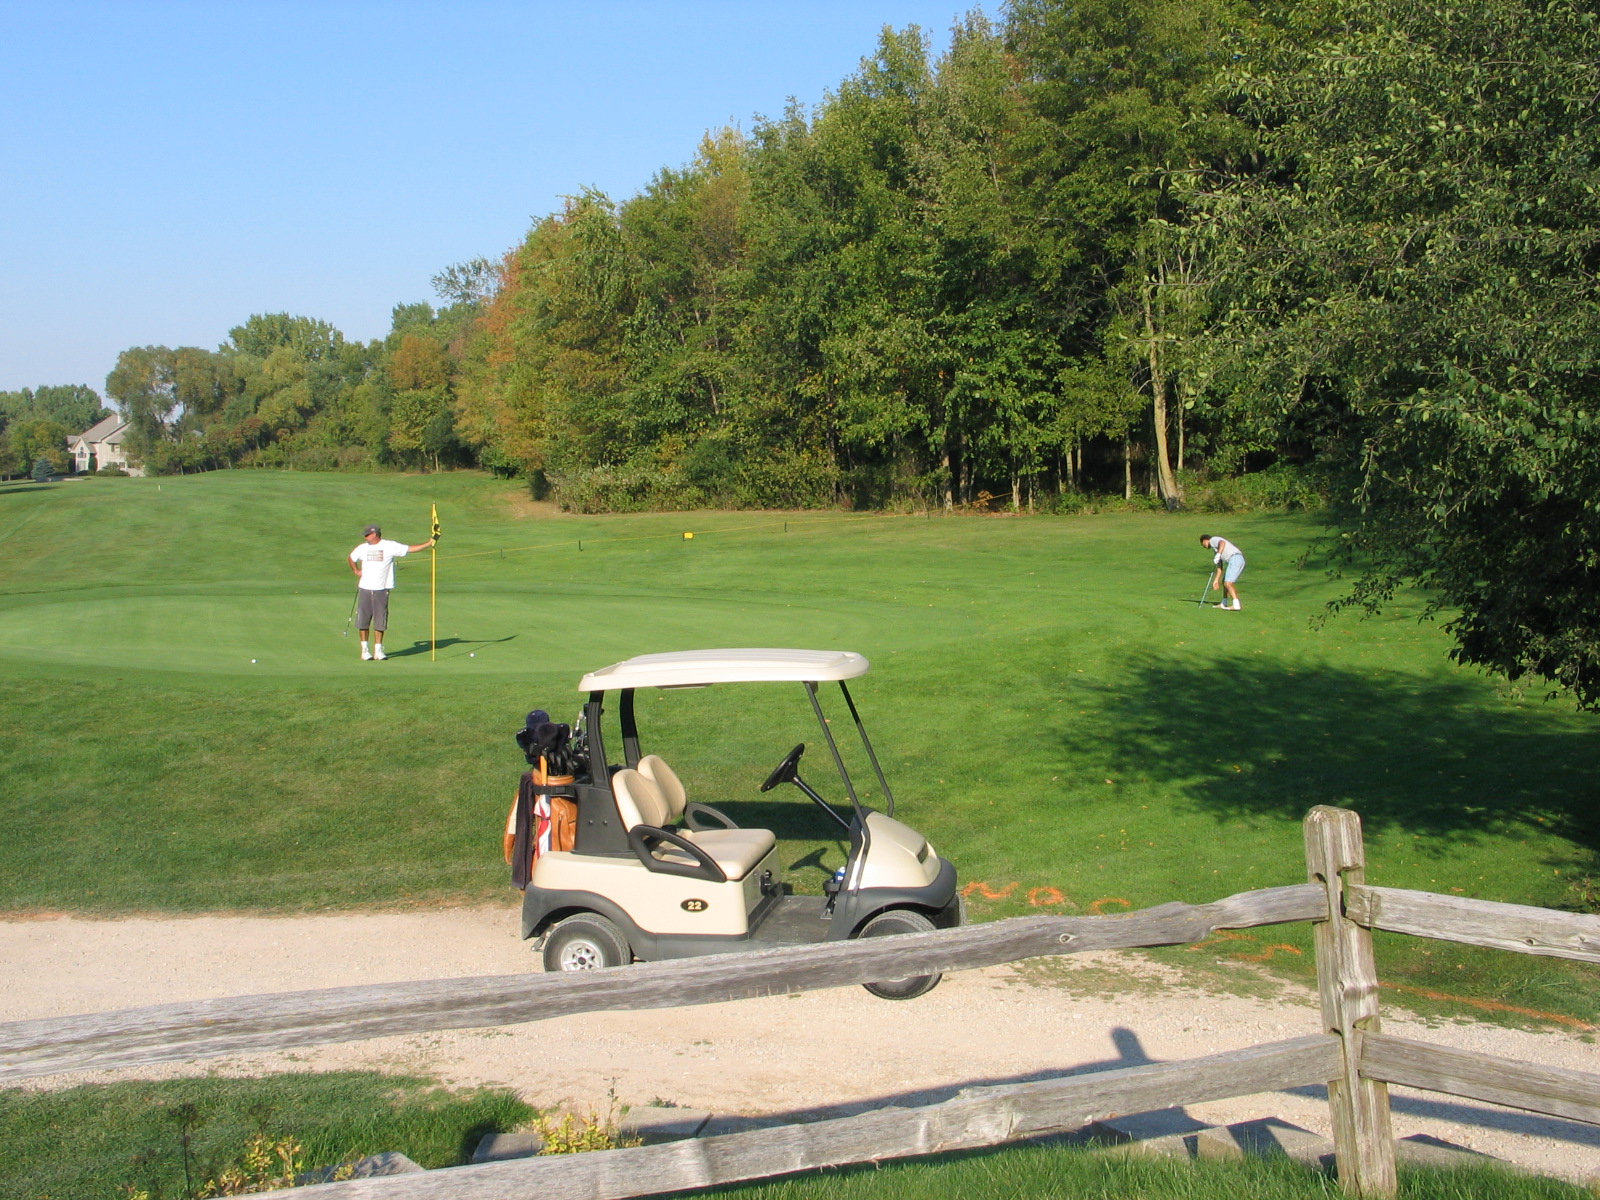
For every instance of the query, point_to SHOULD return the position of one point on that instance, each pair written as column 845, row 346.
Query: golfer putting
column 1229, row 560
column 373, row 563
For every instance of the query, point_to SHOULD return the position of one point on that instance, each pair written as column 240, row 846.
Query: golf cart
column 652, row 874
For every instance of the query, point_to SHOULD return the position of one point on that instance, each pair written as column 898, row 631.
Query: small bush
column 574, row 1134
column 1279, row 488
column 1081, row 503
column 266, row 1164
column 703, row 478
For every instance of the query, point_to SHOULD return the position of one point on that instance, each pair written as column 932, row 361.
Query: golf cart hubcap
column 582, row 956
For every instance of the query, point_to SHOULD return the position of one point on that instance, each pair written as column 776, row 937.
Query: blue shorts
column 1232, row 568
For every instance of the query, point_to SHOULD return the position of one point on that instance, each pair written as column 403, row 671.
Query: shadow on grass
column 7, row 489
column 1246, row 738
column 422, row 647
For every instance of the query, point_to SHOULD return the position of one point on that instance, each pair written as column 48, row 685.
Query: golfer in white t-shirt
column 373, row 563
column 1230, row 565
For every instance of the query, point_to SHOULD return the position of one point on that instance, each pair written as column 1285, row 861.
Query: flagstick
column 433, row 597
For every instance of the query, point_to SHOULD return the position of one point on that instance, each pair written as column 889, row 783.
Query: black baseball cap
column 371, row 529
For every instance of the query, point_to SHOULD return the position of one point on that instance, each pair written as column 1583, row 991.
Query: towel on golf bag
column 538, row 823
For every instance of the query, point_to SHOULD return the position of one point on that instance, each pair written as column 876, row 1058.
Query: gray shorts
column 372, row 610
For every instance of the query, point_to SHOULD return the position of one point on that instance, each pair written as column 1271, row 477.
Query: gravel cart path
column 826, row 1052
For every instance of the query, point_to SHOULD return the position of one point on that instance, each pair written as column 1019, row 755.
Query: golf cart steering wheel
column 785, row 772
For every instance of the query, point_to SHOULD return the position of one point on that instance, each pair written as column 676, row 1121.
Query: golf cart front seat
column 735, row 851
column 680, row 810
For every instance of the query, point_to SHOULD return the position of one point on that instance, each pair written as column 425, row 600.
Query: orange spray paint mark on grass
column 1491, row 1006
column 987, row 892
column 1098, row 907
column 1041, row 896
column 1267, row 953
column 1221, row 935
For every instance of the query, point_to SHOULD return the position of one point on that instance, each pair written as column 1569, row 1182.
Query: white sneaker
column 365, row 652
column 377, row 652
column 1224, row 607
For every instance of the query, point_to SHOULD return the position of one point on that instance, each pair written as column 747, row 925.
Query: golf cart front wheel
column 885, row 924
column 586, row 942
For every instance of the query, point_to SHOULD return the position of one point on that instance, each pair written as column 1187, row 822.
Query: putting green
column 538, row 627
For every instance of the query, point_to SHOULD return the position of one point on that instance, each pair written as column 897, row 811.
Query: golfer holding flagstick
column 1230, row 565
column 373, row 563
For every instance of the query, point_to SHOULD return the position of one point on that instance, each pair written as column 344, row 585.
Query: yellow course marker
column 688, row 537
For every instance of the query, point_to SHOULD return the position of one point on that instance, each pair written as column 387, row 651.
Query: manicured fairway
column 1053, row 708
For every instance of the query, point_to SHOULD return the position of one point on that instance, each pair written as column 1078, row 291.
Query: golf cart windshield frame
column 838, row 758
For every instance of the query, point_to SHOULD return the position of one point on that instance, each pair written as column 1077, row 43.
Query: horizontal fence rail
column 1518, row 927
column 141, row 1037
column 1554, row 1091
column 978, row 1117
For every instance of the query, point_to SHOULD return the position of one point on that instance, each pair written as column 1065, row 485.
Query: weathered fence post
column 1347, row 982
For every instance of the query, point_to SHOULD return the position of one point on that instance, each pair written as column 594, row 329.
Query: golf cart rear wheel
column 899, row 920
column 586, row 942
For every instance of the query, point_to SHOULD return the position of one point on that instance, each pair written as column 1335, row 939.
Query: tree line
column 1114, row 245
column 35, row 425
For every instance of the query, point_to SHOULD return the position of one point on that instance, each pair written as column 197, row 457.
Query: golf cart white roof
column 697, row 668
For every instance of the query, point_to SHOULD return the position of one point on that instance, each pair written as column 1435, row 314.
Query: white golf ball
column 252, row 660
column 472, row 654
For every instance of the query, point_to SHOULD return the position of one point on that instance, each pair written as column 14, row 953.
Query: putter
column 1200, row 603
column 354, row 600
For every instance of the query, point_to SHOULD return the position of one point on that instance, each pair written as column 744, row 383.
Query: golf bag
column 544, row 815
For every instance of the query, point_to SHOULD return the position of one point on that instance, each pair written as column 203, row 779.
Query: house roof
column 102, row 431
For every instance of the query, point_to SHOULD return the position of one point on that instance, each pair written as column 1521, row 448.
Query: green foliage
column 308, row 339
column 1280, row 488
column 888, row 288
column 704, row 476
column 184, row 1138
column 573, row 1134
column 77, row 407
column 289, row 391
column 1411, row 294
column 30, row 441
column 474, row 282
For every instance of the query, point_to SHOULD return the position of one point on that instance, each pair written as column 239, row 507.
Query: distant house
column 101, row 446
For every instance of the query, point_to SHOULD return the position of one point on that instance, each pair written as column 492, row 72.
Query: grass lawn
column 1053, row 709
column 96, row 1143
column 1047, row 1172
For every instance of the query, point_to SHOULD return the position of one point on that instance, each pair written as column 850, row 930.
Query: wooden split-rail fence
column 1351, row 1056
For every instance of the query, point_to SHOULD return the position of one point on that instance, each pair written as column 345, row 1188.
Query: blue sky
column 167, row 169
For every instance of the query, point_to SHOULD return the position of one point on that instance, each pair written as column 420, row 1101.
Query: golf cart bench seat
column 640, row 802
